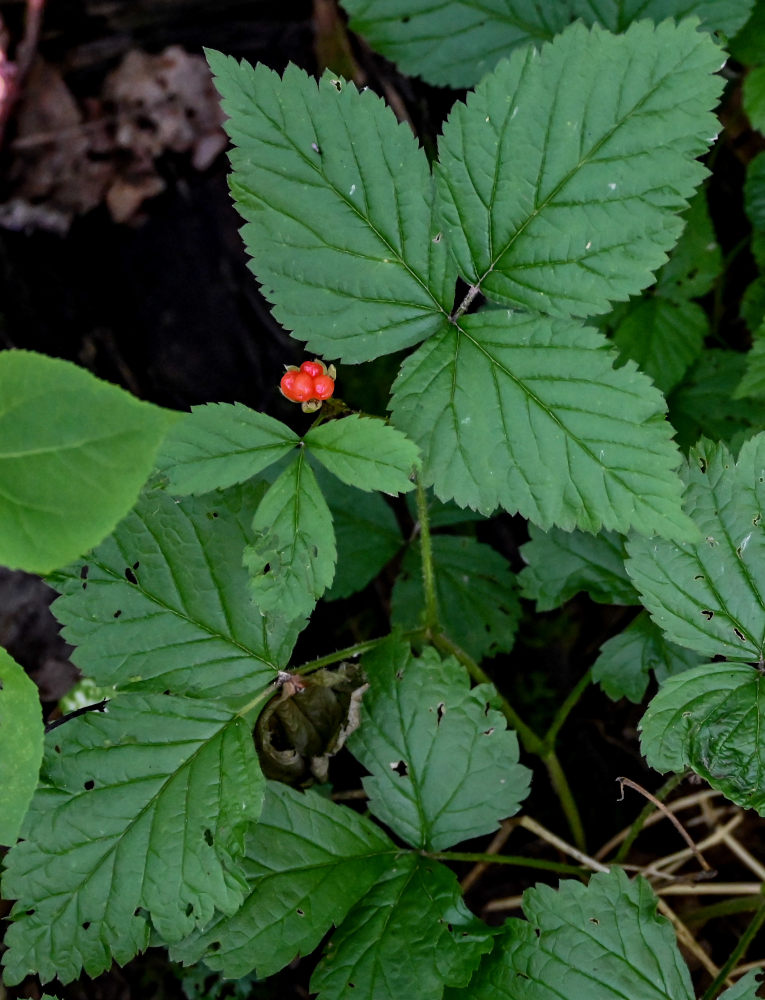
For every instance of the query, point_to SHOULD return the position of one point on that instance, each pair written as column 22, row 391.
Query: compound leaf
column 366, row 453
column 561, row 563
column 443, row 765
column 594, row 942
column 475, row 590
column 416, row 905
column 308, row 861
column 527, row 412
column 74, row 452
column 292, row 562
column 347, row 253
column 711, row 719
column 163, row 604
column 21, row 745
column 221, row 444
column 453, row 43
column 141, row 815
column 708, row 595
column 558, row 194
column 625, row 662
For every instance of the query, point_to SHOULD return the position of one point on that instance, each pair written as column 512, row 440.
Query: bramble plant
column 565, row 184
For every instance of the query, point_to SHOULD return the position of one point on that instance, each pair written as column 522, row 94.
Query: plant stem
column 563, row 711
column 565, row 797
column 466, row 303
column 637, row 826
column 738, row 952
column 426, row 548
column 350, row 651
column 506, row 859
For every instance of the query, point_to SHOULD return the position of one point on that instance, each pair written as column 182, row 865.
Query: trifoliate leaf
column 558, row 194
column 453, row 43
column 625, row 662
column 696, row 261
column 163, row 604
column 711, row 719
column 74, row 452
column 475, row 589
column 561, row 563
column 595, row 942
column 409, row 936
column 443, row 765
column 366, row 453
column 708, row 595
column 753, row 97
column 338, row 201
column 220, row 444
column 21, row 745
column 140, row 816
column 292, row 561
column 664, row 337
column 299, row 885
column 725, row 16
column 527, row 412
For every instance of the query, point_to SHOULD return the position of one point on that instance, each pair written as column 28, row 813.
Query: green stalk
column 565, row 708
column 737, row 954
column 506, row 859
column 426, row 549
column 349, row 652
column 565, row 797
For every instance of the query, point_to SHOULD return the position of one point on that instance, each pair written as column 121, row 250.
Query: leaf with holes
column 475, row 589
column 164, row 789
column 219, row 445
column 558, row 194
column 711, row 719
column 163, row 604
column 709, row 595
column 292, row 561
column 528, row 413
column 347, row 253
column 21, row 745
column 585, row 942
column 443, row 765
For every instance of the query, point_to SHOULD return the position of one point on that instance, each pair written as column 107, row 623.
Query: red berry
column 323, row 387
column 312, row 368
column 297, row 386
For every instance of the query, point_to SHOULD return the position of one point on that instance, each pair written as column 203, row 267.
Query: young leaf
column 221, row 444
column 410, row 936
column 21, row 745
column 300, row 886
column 558, row 194
column 594, row 942
column 711, row 719
column 292, row 562
column 561, row 563
column 664, row 337
column 708, row 595
column 366, row 453
column 453, row 43
column 141, row 816
column 346, row 249
column 443, row 765
column 527, row 412
column 622, row 669
column 163, row 604
column 74, row 452
column 476, row 594
column 725, row 16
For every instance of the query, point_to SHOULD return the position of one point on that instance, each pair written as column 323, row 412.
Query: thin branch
column 99, row 706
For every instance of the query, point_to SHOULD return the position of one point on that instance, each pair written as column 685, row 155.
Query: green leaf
column 21, row 745
column 696, row 261
column 141, row 816
column 408, row 937
column 221, row 444
column 558, row 194
column 527, row 412
column 453, row 43
column 475, row 589
column 163, row 604
column 561, row 563
column 664, row 337
column 595, row 942
column 711, row 719
column 749, row 44
column 625, row 662
column 338, row 202
column 443, row 765
column 74, row 452
column 366, row 453
column 292, row 562
column 708, row 595
column 753, row 96
column 308, row 861
column 744, row 988
column 725, row 16
column 752, row 309
column 752, row 384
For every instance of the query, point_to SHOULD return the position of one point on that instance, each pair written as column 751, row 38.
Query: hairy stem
column 351, row 651
column 426, row 548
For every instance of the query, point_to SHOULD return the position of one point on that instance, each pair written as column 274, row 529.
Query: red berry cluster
column 310, row 384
